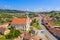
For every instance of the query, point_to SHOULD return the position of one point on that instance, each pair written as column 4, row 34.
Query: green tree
column 13, row 34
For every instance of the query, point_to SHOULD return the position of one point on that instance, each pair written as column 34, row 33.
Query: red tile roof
column 50, row 25
column 30, row 36
column 2, row 29
column 36, row 37
column 19, row 21
column 27, row 35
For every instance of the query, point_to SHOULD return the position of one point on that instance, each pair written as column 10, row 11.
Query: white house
column 21, row 23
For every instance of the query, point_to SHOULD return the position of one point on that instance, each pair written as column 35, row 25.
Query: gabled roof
column 19, row 21
column 29, row 36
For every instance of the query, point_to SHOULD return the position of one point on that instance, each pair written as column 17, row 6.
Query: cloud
column 42, row 9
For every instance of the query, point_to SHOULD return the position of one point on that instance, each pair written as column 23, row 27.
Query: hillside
column 11, row 11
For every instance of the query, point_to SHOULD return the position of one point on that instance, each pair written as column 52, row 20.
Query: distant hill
column 12, row 11
column 54, row 11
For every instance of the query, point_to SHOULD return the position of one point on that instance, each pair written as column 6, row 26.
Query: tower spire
column 27, row 13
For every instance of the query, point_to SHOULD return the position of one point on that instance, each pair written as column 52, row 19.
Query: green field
column 57, row 23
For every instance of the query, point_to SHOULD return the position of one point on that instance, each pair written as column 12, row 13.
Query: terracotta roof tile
column 19, row 21
column 50, row 25
column 30, row 37
column 27, row 36
column 2, row 29
column 36, row 37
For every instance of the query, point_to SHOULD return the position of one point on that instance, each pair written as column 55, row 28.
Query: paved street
column 42, row 35
column 46, row 31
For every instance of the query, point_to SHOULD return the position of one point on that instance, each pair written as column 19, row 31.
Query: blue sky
column 31, row 5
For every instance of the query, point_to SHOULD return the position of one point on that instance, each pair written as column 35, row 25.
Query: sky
column 31, row 5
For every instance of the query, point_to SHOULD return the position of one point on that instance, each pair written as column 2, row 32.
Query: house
column 21, row 23
column 4, row 29
column 28, row 36
column 55, row 30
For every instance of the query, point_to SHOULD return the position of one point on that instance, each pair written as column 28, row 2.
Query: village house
column 21, row 23
column 52, row 28
column 28, row 36
column 4, row 28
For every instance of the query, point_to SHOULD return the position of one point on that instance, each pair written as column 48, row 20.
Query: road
column 42, row 35
column 46, row 31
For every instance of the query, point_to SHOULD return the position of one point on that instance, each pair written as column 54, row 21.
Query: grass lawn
column 3, row 38
column 37, row 26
